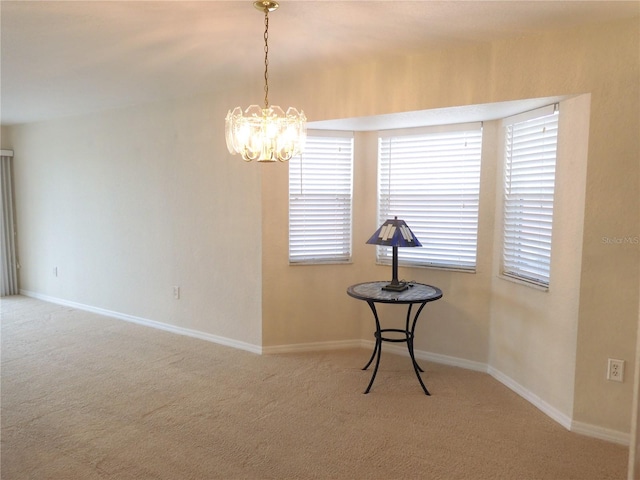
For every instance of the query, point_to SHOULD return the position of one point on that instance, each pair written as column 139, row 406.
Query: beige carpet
column 88, row 397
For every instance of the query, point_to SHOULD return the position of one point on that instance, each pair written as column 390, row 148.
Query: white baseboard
column 431, row 357
column 531, row 397
column 593, row 431
column 228, row 342
column 312, row 347
column 602, row 433
column 451, row 361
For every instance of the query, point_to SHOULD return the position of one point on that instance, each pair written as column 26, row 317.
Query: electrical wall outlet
column 615, row 370
column 176, row 292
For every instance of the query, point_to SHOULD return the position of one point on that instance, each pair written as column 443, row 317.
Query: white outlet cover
column 615, row 370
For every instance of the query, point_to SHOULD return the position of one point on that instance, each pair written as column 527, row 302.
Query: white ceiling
column 62, row 58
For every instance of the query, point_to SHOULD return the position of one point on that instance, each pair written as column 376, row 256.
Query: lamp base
column 396, row 287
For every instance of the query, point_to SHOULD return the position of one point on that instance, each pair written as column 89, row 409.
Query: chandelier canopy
column 266, row 134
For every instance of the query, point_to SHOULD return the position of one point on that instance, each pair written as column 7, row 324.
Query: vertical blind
column 9, row 273
column 430, row 178
column 320, row 205
column 530, row 165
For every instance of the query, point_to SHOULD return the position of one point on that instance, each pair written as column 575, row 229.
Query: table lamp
column 395, row 233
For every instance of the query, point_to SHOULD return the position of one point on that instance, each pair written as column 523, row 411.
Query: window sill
column 520, row 281
column 328, row 262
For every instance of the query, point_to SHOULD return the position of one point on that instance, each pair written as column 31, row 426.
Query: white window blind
column 430, row 178
column 320, row 191
column 529, row 182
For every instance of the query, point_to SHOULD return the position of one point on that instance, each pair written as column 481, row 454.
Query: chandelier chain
column 266, row 58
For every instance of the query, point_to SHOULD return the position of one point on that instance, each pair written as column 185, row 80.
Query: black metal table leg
column 415, row 367
column 377, row 349
column 410, row 335
column 375, row 369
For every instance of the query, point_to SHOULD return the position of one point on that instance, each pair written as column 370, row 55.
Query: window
column 529, row 182
column 430, row 178
column 320, row 191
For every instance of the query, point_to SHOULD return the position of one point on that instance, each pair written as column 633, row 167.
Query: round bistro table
column 417, row 294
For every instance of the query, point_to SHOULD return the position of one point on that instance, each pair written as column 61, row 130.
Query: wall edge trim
column 549, row 410
column 228, row 342
column 566, row 421
column 601, row 433
column 312, row 347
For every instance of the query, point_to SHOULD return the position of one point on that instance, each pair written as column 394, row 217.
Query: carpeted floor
column 88, row 397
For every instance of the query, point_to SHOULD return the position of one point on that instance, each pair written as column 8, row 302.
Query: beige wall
column 610, row 274
column 554, row 344
column 5, row 138
column 129, row 203
column 634, row 444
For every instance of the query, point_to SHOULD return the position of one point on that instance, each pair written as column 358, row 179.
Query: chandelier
column 265, row 134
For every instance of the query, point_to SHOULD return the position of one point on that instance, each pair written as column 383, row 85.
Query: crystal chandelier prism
column 265, row 134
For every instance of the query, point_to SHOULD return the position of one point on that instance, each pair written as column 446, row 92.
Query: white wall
column 129, row 203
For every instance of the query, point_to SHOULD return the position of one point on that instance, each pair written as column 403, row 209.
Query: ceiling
column 64, row 58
